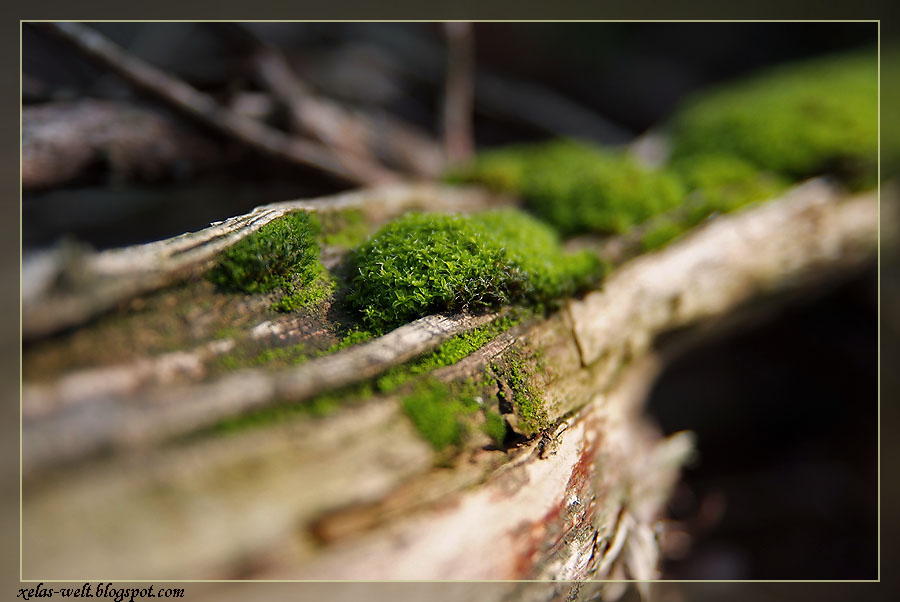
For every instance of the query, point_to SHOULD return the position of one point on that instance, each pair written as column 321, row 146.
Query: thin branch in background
column 521, row 101
column 459, row 91
column 349, row 130
column 204, row 109
column 64, row 141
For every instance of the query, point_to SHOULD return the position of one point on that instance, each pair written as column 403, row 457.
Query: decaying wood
column 328, row 483
column 66, row 286
column 61, row 141
column 356, row 495
column 205, row 110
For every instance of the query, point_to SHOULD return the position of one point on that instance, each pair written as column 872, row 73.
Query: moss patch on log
column 281, row 256
column 272, row 358
column 576, row 187
column 344, row 229
column 718, row 183
column 802, row 119
column 527, row 402
column 450, row 352
column 437, row 413
column 403, row 377
column 420, row 264
column 449, row 415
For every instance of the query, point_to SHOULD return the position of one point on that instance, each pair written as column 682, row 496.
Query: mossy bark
column 572, row 492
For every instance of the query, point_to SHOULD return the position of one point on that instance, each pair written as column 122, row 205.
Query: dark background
column 786, row 410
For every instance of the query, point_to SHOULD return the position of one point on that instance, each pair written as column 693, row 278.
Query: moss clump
column 434, row 413
column 576, row 187
column 281, row 256
column 425, row 263
column 801, row 119
column 722, row 183
column 295, row 297
column 717, row 184
column 890, row 120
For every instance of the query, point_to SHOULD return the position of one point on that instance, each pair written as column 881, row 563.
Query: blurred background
column 785, row 483
column 603, row 82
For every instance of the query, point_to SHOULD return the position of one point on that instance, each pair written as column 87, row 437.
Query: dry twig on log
column 205, row 110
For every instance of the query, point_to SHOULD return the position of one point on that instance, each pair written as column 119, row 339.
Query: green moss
column 717, row 184
column 322, row 405
column 529, row 404
column 722, row 183
column 297, row 297
column 439, row 411
column 426, row 263
column 661, row 232
column 890, row 120
column 281, row 256
column 576, row 187
column 272, row 358
column 226, row 332
column 346, row 229
column 501, row 170
column 494, row 427
column 353, row 337
column 448, row 353
column 799, row 120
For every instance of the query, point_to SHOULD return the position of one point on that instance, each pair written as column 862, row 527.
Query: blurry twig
column 63, row 141
column 351, row 131
column 459, row 91
column 522, row 101
column 205, row 110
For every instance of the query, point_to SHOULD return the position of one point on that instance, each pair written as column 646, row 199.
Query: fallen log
column 358, row 493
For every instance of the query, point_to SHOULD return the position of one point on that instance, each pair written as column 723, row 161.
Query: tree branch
column 351, row 131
